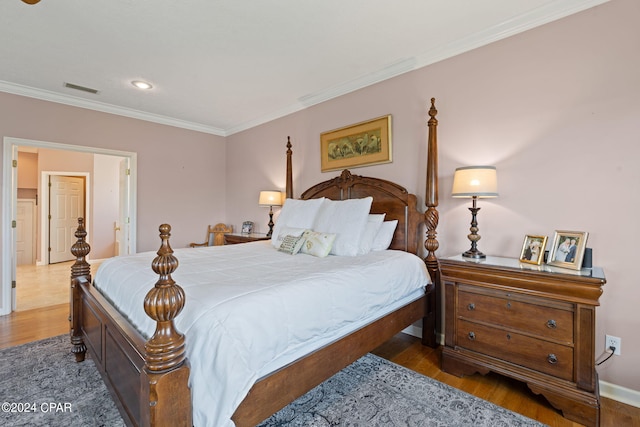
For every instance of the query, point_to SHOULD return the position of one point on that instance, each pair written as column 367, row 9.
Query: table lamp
column 271, row 199
column 475, row 182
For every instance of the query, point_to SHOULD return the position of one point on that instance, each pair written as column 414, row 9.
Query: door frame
column 9, row 205
column 45, row 200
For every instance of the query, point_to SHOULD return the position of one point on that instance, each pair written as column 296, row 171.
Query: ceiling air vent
column 82, row 88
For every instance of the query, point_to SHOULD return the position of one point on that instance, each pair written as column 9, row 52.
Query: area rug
column 373, row 392
column 42, row 385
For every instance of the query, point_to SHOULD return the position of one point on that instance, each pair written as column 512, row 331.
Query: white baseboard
column 416, row 331
column 413, row 330
column 619, row 393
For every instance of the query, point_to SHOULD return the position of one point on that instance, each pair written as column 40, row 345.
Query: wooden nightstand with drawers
column 235, row 238
column 532, row 323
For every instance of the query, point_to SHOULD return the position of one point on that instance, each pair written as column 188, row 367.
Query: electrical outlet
column 611, row 341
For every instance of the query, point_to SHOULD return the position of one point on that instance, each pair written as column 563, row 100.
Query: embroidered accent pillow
column 291, row 244
column 276, row 239
column 317, row 244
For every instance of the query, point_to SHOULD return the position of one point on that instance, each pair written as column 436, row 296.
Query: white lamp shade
column 478, row 181
column 270, row 198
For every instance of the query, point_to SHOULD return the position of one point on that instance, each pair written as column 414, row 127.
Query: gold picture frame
column 568, row 248
column 533, row 249
column 362, row 144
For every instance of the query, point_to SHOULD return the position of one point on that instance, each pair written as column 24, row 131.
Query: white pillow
column 295, row 213
column 347, row 220
column 374, row 222
column 384, row 236
column 317, row 244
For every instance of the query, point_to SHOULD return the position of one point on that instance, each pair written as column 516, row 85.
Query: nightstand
column 535, row 324
column 234, row 238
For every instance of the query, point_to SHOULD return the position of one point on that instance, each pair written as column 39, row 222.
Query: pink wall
column 555, row 109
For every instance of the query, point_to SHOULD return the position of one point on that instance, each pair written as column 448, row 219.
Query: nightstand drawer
column 235, row 238
column 540, row 355
column 518, row 312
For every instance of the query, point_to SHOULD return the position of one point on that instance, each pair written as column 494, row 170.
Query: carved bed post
column 289, row 181
column 80, row 274
column 165, row 374
column 432, row 322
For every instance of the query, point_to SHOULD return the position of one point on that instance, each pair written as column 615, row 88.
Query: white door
column 26, row 232
column 66, row 205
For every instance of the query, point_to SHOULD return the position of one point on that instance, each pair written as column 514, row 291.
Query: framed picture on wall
column 533, row 249
column 567, row 249
column 360, row 144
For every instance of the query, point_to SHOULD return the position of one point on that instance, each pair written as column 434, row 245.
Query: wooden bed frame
column 148, row 378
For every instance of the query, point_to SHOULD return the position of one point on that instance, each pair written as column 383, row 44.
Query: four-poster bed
column 149, row 378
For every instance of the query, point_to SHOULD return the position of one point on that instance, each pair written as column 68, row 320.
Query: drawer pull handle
column 552, row 359
column 551, row 324
column 471, row 307
column 472, row 336
column 508, row 305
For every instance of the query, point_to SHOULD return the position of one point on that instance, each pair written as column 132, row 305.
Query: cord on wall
column 613, row 350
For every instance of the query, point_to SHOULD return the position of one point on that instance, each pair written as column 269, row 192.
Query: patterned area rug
column 373, row 392
column 42, row 385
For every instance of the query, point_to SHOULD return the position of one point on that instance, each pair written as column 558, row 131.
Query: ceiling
column 222, row 66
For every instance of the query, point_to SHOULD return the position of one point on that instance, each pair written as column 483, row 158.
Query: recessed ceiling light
column 141, row 85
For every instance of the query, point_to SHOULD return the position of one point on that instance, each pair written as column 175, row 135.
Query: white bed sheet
column 251, row 309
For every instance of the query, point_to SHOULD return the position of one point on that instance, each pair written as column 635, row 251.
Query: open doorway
column 110, row 218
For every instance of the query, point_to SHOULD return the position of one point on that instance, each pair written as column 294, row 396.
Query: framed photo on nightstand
column 567, row 249
column 533, row 249
column 247, row 227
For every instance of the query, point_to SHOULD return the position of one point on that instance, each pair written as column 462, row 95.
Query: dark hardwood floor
column 32, row 325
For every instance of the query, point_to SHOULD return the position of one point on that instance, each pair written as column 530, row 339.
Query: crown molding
column 547, row 13
column 543, row 15
column 74, row 101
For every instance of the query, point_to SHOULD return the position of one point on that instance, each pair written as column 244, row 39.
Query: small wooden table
column 234, row 238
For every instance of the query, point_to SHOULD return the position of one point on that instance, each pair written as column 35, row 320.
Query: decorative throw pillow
column 383, row 239
column 346, row 219
column 374, row 222
column 291, row 244
column 317, row 244
column 296, row 213
column 277, row 239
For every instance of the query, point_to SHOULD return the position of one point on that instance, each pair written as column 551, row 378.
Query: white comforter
column 251, row 309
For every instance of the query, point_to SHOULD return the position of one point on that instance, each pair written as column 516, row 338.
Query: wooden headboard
column 388, row 198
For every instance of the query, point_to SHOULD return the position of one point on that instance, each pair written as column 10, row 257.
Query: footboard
column 148, row 379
